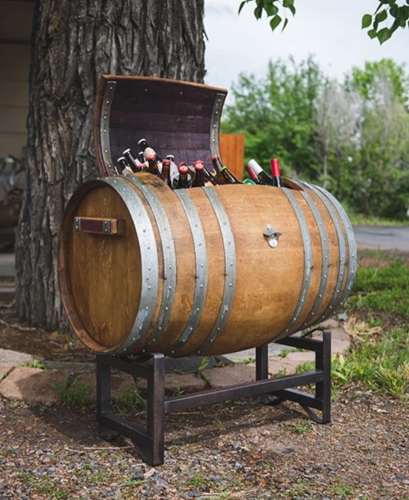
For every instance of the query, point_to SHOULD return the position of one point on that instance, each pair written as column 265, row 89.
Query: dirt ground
column 233, row 450
column 19, row 337
column 240, row 450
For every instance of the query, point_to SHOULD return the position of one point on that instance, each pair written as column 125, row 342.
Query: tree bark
column 74, row 42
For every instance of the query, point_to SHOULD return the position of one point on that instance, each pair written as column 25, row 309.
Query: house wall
column 15, row 31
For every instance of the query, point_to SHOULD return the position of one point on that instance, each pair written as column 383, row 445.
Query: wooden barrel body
column 200, row 271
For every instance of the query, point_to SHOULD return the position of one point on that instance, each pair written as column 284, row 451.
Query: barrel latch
column 272, row 236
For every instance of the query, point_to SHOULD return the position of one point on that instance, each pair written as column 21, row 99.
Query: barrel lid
column 179, row 118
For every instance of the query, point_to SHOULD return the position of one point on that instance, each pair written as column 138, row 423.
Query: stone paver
column 119, row 383
column 14, row 358
column 31, row 384
column 5, row 369
column 230, row 375
column 183, row 381
column 34, row 385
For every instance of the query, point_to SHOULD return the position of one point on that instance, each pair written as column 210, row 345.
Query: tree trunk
column 74, row 42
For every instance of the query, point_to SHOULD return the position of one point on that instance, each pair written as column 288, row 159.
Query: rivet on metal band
column 215, row 124
column 200, row 269
column 329, row 310
column 325, row 260
column 307, row 263
column 352, row 250
column 169, row 258
column 149, row 264
column 104, row 127
column 229, row 268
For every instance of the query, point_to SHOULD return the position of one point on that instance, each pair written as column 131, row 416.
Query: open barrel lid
column 178, row 118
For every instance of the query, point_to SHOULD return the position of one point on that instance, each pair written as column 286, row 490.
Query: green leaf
column 243, row 3
column 381, row 16
column 372, row 33
column 383, row 35
column 285, row 23
column 258, row 11
column 275, row 22
column 289, row 4
column 271, row 9
column 366, row 21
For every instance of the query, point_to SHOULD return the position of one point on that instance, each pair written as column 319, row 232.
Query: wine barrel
column 200, row 271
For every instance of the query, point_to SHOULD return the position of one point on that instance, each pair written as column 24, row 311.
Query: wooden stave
column 228, row 346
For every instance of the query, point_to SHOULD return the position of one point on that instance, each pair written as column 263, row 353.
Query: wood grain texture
column 102, row 305
column 73, row 44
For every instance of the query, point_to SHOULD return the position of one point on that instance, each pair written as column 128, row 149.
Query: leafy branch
column 387, row 11
column 392, row 12
column 273, row 9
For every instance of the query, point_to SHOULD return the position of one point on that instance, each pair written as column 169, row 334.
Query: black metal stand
column 150, row 439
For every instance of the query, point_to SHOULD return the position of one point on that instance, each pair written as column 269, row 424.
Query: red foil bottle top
column 251, row 173
column 183, row 169
column 199, row 166
column 275, row 168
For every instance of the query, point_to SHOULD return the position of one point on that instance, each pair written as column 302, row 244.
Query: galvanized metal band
column 229, row 268
column 215, row 124
column 307, row 263
column 352, row 250
column 104, row 127
column 149, row 263
column 169, row 260
column 325, row 259
column 330, row 309
column 199, row 242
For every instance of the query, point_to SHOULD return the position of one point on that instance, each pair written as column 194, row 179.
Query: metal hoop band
column 307, row 263
column 201, row 269
column 230, row 268
column 149, row 263
column 169, row 260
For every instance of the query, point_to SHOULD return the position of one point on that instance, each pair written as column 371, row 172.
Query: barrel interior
column 175, row 117
column 102, row 272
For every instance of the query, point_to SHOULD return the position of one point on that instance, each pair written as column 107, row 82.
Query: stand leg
column 156, row 409
column 262, row 368
column 323, row 389
column 104, row 399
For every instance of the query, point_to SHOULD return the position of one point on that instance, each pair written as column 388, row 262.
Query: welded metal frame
column 150, row 439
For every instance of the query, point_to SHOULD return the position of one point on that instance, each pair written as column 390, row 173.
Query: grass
column 72, row 391
column 35, row 363
column 382, row 365
column 382, row 289
column 130, row 400
column 359, row 219
column 379, row 361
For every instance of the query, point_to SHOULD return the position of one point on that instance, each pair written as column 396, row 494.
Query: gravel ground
column 240, row 450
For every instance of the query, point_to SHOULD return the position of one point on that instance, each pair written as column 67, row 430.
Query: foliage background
column 351, row 137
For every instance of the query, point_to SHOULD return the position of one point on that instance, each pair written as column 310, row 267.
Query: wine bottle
column 261, row 175
column 165, row 174
column 153, row 166
column 208, row 175
column 143, row 144
column 223, row 174
column 199, row 179
column 252, row 175
column 275, row 172
column 121, row 164
column 130, row 159
column 184, row 177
